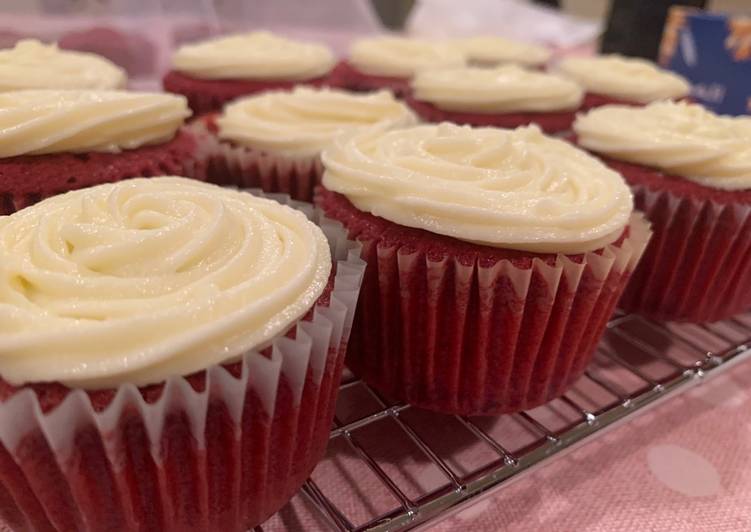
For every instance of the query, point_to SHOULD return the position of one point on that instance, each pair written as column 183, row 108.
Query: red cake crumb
column 346, row 76
column 208, row 95
column 27, row 179
column 553, row 122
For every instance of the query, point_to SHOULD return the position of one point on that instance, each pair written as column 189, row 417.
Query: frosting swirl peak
column 254, row 55
column 303, row 122
column 501, row 89
column 682, row 139
column 36, row 122
column 515, row 189
column 144, row 279
column 625, row 78
column 34, row 65
column 491, row 50
column 402, row 56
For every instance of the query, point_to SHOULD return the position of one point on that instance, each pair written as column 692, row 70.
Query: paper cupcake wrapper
column 222, row 450
column 698, row 265
column 472, row 339
column 250, row 168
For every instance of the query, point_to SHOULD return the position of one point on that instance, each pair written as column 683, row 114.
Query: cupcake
column 495, row 258
column 690, row 171
column 169, row 356
column 54, row 141
column 506, row 96
column 219, row 70
column 490, row 51
column 273, row 141
column 389, row 62
column 613, row 79
column 31, row 64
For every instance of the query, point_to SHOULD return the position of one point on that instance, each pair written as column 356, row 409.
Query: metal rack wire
column 400, row 467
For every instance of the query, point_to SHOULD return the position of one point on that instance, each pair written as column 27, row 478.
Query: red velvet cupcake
column 613, row 79
column 507, row 96
column 199, row 333
column 491, row 274
column 493, row 51
column 214, row 72
column 689, row 171
column 31, row 64
column 389, row 63
column 56, row 141
column 273, row 141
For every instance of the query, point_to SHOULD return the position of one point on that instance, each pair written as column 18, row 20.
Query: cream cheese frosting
column 682, row 139
column 254, row 55
column 144, row 279
column 516, row 189
column 35, row 122
column 402, row 56
column 491, row 50
column 501, row 89
column 34, row 65
column 624, row 78
column 302, row 122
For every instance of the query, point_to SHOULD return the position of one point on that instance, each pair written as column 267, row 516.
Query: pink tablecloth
column 685, row 465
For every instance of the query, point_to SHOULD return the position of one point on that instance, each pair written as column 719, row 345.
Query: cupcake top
column 145, row 279
column 303, row 122
column 490, row 50
column 401, row 56
column 625, row 78
column 35, row 122
column 254, row 55
column 516, row 189
column 503, row 89
column 34, row 65
column 682, row 139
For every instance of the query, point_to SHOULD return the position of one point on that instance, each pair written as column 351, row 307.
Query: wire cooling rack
column 393, row 467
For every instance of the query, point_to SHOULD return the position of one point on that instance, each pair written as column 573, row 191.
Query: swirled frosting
column 624, row 78
column 34, row 65
column 144, row 279
column 35, row 122
column 682, row 139
column 402, row 56
column 515, row 189
column 302, row 122
column 255, row 55
column 491, row 50
column 501, row 89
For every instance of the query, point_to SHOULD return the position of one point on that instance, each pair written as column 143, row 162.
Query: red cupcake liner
column 552, row 122
column 346, row 76
column 240, row 166
column 219, row 450
column 28, row 179
column 209, row 95
column 698, row 265
column 466, row 329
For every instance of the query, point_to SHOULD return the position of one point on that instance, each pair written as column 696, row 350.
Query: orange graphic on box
column 739, row 40
column 675, row 22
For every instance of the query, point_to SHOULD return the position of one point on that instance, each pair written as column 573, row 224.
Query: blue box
column 712, row 51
